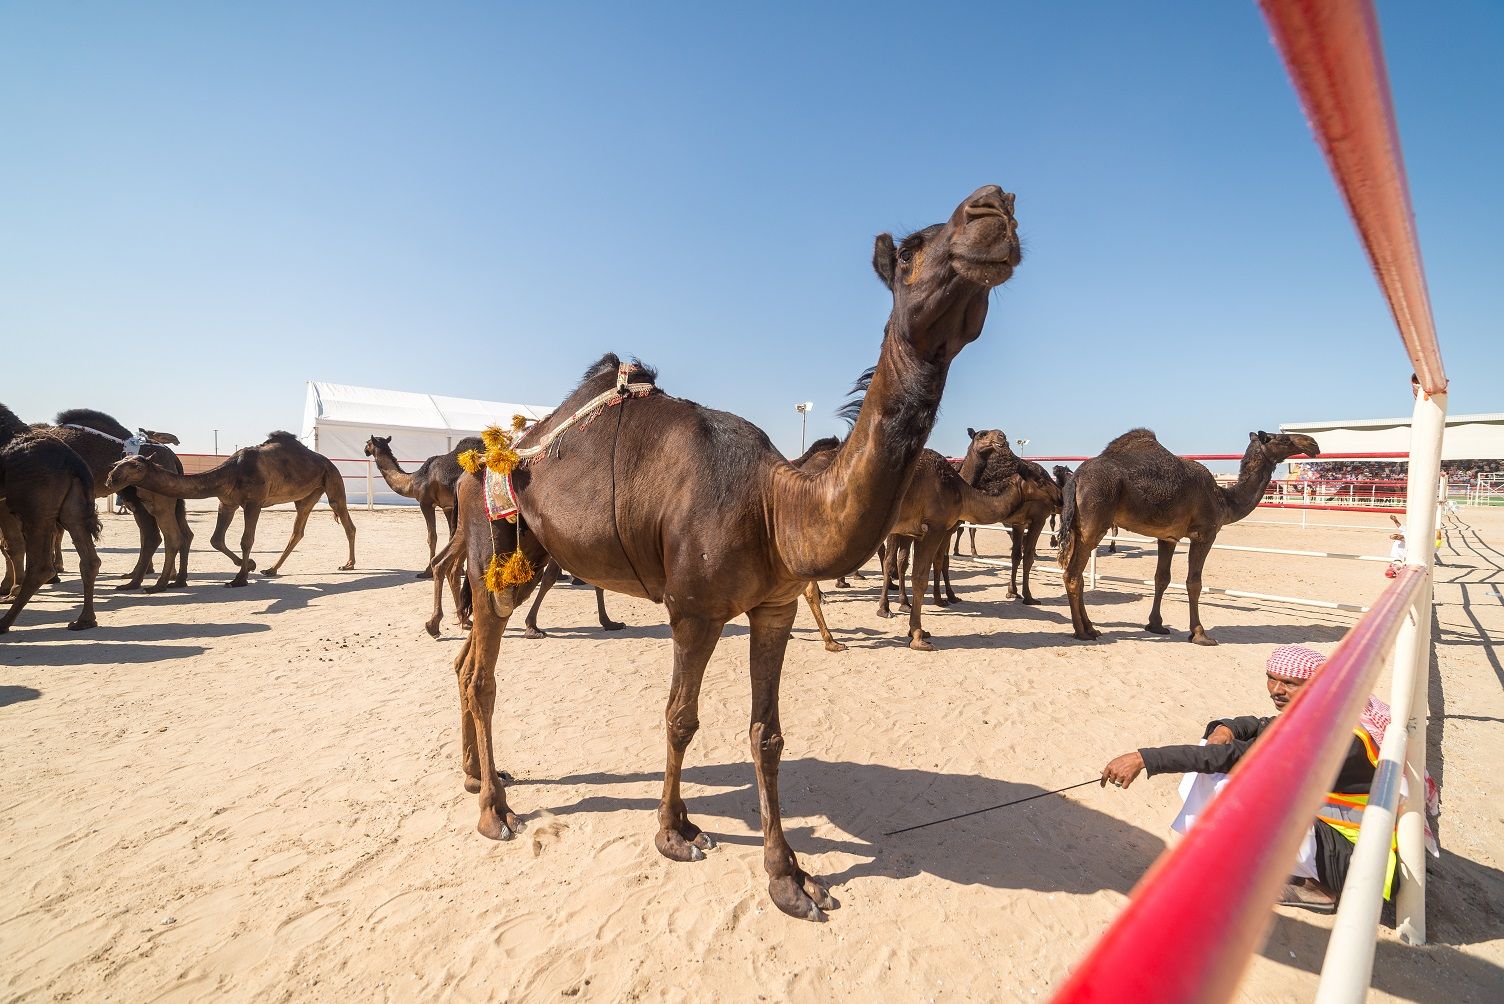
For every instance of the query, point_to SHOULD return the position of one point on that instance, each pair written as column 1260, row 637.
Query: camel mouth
column 986, row 271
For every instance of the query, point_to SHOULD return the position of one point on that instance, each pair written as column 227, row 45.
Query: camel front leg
column 1080, row 543
column 251, row 512
column 36, row 569
column 77, row 516
column 1015, row 558
column 476, row 670
column 150, row 537
column 221, row 526
column 694, row 640
column 1161, row 582
column 433, row 538
column 15, row 551
column 546, row 582
column 1194, row 563
column 1031, row 544
column 792, row 889
column 925, row 549
column 973, row 531
column 163, row 513
column 607, row 624
column 299, row 524
column 812, row 597
column 888, row 559
column 901, row 554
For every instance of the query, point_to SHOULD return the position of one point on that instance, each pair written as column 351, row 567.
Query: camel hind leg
column 1156, row 623
column 185, row 541
column 334, row 487
column 546, row 580
column 926, row 550
column 82, row 523
column 1081, row 541
column 607, row 624
column 1195, row 561
column 1031, row 546
column 695, row 639
column 150, row 536
column 445, row 567
column 164, row 519
column 15, row 552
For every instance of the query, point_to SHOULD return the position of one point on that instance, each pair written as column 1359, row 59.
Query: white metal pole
column 370, row 500
column 1348, row 966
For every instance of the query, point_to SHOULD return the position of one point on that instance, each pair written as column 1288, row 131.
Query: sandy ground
column 255, row 793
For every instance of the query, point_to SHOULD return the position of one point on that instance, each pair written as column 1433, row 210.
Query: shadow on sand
column 1055, row 844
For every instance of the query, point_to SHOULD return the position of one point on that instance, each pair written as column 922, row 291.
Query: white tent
column 339, row 418
column 1468, row 437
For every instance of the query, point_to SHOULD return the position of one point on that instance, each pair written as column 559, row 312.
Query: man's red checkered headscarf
column 1294, row 662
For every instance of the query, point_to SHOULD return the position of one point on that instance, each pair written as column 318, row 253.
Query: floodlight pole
column 803, row 408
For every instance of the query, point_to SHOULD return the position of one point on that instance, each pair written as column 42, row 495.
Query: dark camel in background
column 432, row 484
column 937, row 499
column 159, row 519
column 279, row 470
column 988, row 469
column 1138, row 484
column 44, row 487
column 662, row 498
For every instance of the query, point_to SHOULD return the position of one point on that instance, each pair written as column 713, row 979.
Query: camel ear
column 1264, row 437
column 884, row 258
column 971, row 433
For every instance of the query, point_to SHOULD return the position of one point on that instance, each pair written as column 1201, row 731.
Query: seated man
column 1321, row 866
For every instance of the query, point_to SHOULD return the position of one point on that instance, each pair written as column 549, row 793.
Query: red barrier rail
column 1238, row 456
column 1334, row 57
column 1194, row 920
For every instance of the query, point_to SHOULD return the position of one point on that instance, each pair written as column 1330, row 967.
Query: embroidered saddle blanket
column 501, row 499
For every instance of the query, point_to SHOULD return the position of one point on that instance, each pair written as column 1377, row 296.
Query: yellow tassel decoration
column 495, row 437
column 519, row 422
column 496, row 579
column 470, row 460
column 516, row 571
column 501, row 459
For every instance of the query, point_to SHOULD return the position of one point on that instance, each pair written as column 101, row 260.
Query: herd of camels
column 657, row 497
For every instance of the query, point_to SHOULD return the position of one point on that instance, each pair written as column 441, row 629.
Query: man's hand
column 1122, row 770
column 1221, row 736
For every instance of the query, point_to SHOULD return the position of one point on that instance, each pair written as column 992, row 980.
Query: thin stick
column 973, row 812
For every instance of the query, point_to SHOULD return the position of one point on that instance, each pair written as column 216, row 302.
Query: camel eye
column 906, row 255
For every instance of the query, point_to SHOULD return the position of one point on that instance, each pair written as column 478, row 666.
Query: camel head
column 376, row 443
column 1280, row 447
column 940, row 276
column 987, row 442
column 127, row 472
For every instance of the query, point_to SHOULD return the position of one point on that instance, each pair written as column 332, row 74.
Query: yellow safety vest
column 1344, row 813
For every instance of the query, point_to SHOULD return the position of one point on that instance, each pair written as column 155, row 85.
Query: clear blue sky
column 204, row 205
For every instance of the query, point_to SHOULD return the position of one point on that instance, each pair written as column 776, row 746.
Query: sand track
column 255, row 793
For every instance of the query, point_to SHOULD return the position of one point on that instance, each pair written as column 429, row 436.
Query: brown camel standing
column 659, row 497
column 432, row 484
column 44, row 485
column 988, row 469
column 1138, row 484
column 99, row 440
column 279, row 470
column 937, row 499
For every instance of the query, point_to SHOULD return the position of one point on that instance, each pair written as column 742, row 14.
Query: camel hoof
column 1156, row 629
column 789, row 896
column 841, row 584
column 155, row 589
column 270, row 573
column 612, row 626
column 347, row 566
column 491, row 826
column 904, row 608
column 53, row 581
column 1201, row 638
column 235, row 583
column 83, row 624
column 883, row 612
column 953, row 600
column 128, row 585
column 432, row 627
column 672, row 845
column 427, row 573
column 1091, row 634
column 1030, row 601
column 834, row 646
column 534, row 633
column 1010, row 595
column 920, row 645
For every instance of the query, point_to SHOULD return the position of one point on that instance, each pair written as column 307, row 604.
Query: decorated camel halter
column 130, row 447
column 503, row 455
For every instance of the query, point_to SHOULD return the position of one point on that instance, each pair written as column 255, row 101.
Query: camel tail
column 1067, row 534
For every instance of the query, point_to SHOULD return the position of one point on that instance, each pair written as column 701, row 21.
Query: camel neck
column 827, row 524
column 209, row 484
column 978, row 506
column 396, row 478
column 1254, row 473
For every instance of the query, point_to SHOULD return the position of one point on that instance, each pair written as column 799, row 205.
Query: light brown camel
column 279, row 470
column 99, row 439
column 936, row 500
column 44, row 485
column 987, row 469
column 1138, row 484
column 659, row 497
column 432, row 484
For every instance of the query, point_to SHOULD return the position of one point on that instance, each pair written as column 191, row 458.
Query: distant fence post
column 370, row 502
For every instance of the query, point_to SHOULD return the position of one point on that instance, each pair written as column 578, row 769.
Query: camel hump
column 1133, row 439
column 281, row 436
column 89, row 418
